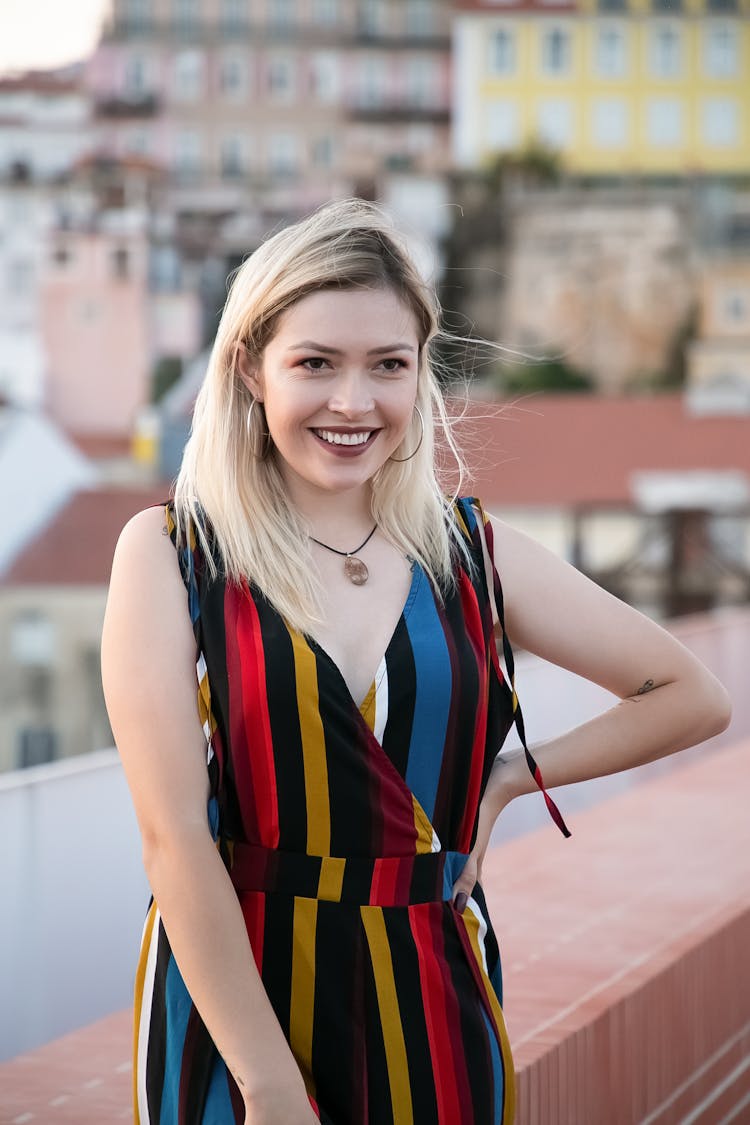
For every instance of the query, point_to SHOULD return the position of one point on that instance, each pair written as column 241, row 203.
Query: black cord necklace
column 354, row 569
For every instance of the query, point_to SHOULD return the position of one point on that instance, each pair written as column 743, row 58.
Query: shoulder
column 144, row 547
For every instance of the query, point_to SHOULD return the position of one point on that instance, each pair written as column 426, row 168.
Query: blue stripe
column 218, row 1109
column 454, row 865
column 498, row 1069
column 178, row 1004
column 434, row 684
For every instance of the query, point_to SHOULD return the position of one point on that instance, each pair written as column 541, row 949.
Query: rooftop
column 566, row 450
column 613, row 942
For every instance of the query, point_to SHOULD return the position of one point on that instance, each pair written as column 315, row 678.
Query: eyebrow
column 312, row 346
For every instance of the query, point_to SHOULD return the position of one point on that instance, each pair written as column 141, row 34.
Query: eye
column 394, row 365
column 313, row 363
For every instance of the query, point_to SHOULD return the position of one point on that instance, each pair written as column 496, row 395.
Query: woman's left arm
column 668, row 699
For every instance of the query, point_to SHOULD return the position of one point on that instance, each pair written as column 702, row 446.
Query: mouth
column 346, row 438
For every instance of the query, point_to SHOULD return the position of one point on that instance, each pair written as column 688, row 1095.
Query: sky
column 35, row 34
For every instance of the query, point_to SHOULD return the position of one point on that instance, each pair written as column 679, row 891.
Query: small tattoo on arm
column 645, row 687
column 164, row 530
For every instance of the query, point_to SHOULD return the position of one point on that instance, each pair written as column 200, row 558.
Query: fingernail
column 460, row 901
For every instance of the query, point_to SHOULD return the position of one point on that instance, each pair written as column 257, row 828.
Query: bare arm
column 668, row 699
column 148, row 672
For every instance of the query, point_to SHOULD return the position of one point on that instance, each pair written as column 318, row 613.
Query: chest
column 358, row 622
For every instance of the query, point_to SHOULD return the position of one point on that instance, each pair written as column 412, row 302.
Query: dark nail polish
column 460, row 901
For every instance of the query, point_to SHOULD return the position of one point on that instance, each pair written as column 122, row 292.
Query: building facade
column 275, row 105
column 617, row 87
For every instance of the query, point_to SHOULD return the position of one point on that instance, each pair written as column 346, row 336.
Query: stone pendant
column 355, row 570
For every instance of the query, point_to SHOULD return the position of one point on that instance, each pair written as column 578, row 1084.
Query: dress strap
column 485, row 535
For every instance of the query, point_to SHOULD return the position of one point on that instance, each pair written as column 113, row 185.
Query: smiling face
column 338, row 381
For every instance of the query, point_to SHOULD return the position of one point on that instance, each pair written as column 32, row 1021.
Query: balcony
column 128, row 106
column 387, row 112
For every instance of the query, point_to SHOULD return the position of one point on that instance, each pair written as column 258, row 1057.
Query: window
column 372, row 17
column 120, row 264
column 137, row 13
column 325, row 12
column 664, row 126
column 281, row 77
column 609, row 122
column 233, row 15
column 421, row 82
column 720, row 51
column 666, row 51
column 501, row 125
column 555, row 51
column 325, row 76
column 372, row 82
column 138, row 141
column 188, row 76
column 555, row 123
column 322, row 151
column 187, row 14
column 233, row 77
column 611, row 60
column 136, row 82
column 232, row 156
column 282, row 14
column 502, row 52
column 420, row 17
column 720, row 123
column 283, row 154
column 187, row 152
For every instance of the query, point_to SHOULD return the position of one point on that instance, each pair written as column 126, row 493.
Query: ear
column 249, row 371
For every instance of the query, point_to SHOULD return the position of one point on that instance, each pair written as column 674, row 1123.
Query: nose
column 351, row 395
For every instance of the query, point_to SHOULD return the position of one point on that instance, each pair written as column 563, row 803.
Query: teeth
column 344, row 439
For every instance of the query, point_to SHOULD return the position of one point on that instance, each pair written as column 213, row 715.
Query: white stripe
column 144, row 1021
column 201, row 668
column 696, row 1074
column 737, row 1110
column 476, row 910
column 716, row 1093
column 381, row 701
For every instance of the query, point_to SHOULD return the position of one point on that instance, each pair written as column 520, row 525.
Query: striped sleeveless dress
column 343, row 829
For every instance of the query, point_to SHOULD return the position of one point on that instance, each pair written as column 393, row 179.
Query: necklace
column 354, row 569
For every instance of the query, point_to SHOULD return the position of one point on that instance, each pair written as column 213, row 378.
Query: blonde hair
column 257, row 534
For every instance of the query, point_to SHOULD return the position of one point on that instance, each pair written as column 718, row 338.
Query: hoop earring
column 400, row 460
column 260, row 450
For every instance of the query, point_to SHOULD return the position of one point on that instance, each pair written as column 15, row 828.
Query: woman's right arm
column 148, row 673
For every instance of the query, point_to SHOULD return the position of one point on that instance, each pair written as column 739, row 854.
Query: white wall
column 73, row 897
column 72, row 890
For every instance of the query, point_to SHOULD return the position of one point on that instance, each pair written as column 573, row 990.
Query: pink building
column 95, row 330
column 275, row 106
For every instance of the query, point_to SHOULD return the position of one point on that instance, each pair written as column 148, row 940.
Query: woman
column 336, row 962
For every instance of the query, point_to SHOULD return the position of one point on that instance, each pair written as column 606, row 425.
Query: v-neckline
column 416, row 578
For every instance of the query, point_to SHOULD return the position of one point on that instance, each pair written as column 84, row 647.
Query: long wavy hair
column 255, row 533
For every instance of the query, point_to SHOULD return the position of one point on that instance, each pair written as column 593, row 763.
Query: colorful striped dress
column 343, row 829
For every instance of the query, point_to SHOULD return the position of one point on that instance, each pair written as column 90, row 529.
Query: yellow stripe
column 390, row 1018
column 140, row 979
column 331, row 878
column 367, row 706
column 302, row 1000
column 509, row 1096
column 313, row 748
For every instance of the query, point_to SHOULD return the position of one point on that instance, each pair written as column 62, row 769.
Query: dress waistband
column 361, row 880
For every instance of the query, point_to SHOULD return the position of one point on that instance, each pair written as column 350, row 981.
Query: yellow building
column 619, row 87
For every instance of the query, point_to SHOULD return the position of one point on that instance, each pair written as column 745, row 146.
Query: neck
column 334, row 517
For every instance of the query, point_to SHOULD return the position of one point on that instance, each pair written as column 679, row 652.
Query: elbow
column 166, row 850
column 716, row 708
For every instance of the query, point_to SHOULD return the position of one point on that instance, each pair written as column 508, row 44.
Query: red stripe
column 257, row 724
column 449, row 1106
column 253, row 905
column 243, row 777
column 475, row 633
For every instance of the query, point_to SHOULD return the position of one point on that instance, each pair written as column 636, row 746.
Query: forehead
column 349, row 315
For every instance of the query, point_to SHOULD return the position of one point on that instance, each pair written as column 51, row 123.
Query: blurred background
column 574, row 177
